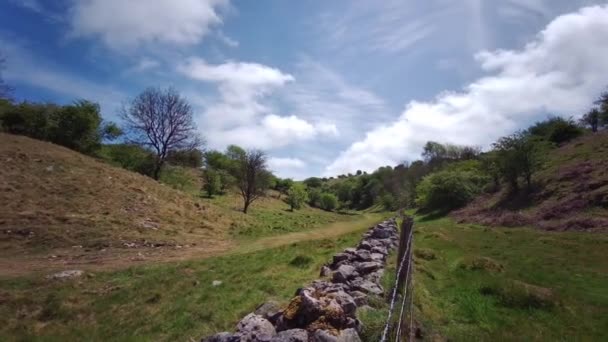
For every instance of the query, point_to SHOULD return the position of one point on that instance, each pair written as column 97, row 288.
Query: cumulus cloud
column 559, row 72
column 127, row 24
column 241, row 115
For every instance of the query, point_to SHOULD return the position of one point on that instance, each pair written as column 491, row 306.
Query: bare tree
column 252, row 176
column 161, row 119
column 5, row 90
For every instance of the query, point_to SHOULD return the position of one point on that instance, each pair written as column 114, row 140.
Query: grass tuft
column 301, row 261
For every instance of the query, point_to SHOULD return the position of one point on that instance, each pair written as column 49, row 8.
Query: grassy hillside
column 571, row 192
column 509, row 284
column 63, row 208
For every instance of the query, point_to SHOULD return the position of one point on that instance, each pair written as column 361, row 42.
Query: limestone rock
column 221, row 337
column 343, row 274
column 66, row 274
column 255, row 328
column 291, row 335
column 349, row 335
column 269, row 310
column 368, row 267
column 323, row 336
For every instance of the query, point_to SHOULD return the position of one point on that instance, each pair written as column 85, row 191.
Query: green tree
column 313, row 182
column 212, row 182
column 519, row 155
column 283, row 186
column 328, row 201
column 187, row 158
column 447, row 190
column 128, row 156
column 591, row 119
column 555, row 129
column 297, row 196
column 314, row 197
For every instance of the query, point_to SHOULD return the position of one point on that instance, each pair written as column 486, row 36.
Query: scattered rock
column 325, row 271
column 66, row 274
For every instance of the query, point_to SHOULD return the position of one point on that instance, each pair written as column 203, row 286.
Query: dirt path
column 120, row 258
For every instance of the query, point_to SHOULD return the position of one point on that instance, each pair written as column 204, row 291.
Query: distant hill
column 53, row 197
column 572, row 192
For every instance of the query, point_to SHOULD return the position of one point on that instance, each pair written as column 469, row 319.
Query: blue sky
column 325, row 87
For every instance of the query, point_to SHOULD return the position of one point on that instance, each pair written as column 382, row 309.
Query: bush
column 388, row 202
column 447, row 190
column 186, row 158
column 179, row 178
column 328, row 201
column 564, row 131
column 212, row 183
column 130, row 157
column 77, row 126
column 296, row 196
column 314, row 197
column 555, row 129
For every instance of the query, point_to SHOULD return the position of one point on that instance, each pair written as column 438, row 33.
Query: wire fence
column 401, row 328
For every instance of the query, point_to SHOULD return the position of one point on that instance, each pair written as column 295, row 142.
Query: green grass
column 510, row 283
column 162, row 302
column 271, row 216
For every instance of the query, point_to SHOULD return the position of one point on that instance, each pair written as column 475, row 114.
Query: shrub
column 130, row 157
column 186, row 158
column 555, row 129
column 447, row 190
column 77, row 126
column 296, row 196
column 328, row 201
column 212, row 182
column 388, row 202
column 314, row 197
column 179, row 178
column 564, row 131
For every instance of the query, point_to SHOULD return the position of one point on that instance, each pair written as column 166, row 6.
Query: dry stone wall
column 325, row 310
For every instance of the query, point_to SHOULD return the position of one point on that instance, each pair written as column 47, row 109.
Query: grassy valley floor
column 517, row 284
column 172, row 301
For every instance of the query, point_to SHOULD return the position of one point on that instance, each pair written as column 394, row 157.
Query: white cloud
column 236, row 74
column 560, row 72
column 285, row 163
column 241, row 114
column 321, row 94
column 227, row 40
column 127, row 24
column 145, row 64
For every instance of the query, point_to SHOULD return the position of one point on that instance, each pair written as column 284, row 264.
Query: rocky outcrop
column 325, row 310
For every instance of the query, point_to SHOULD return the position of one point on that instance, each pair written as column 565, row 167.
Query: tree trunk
column 246, row 206
column 157, row 168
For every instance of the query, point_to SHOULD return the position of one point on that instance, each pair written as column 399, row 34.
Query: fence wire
column 404, row 281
